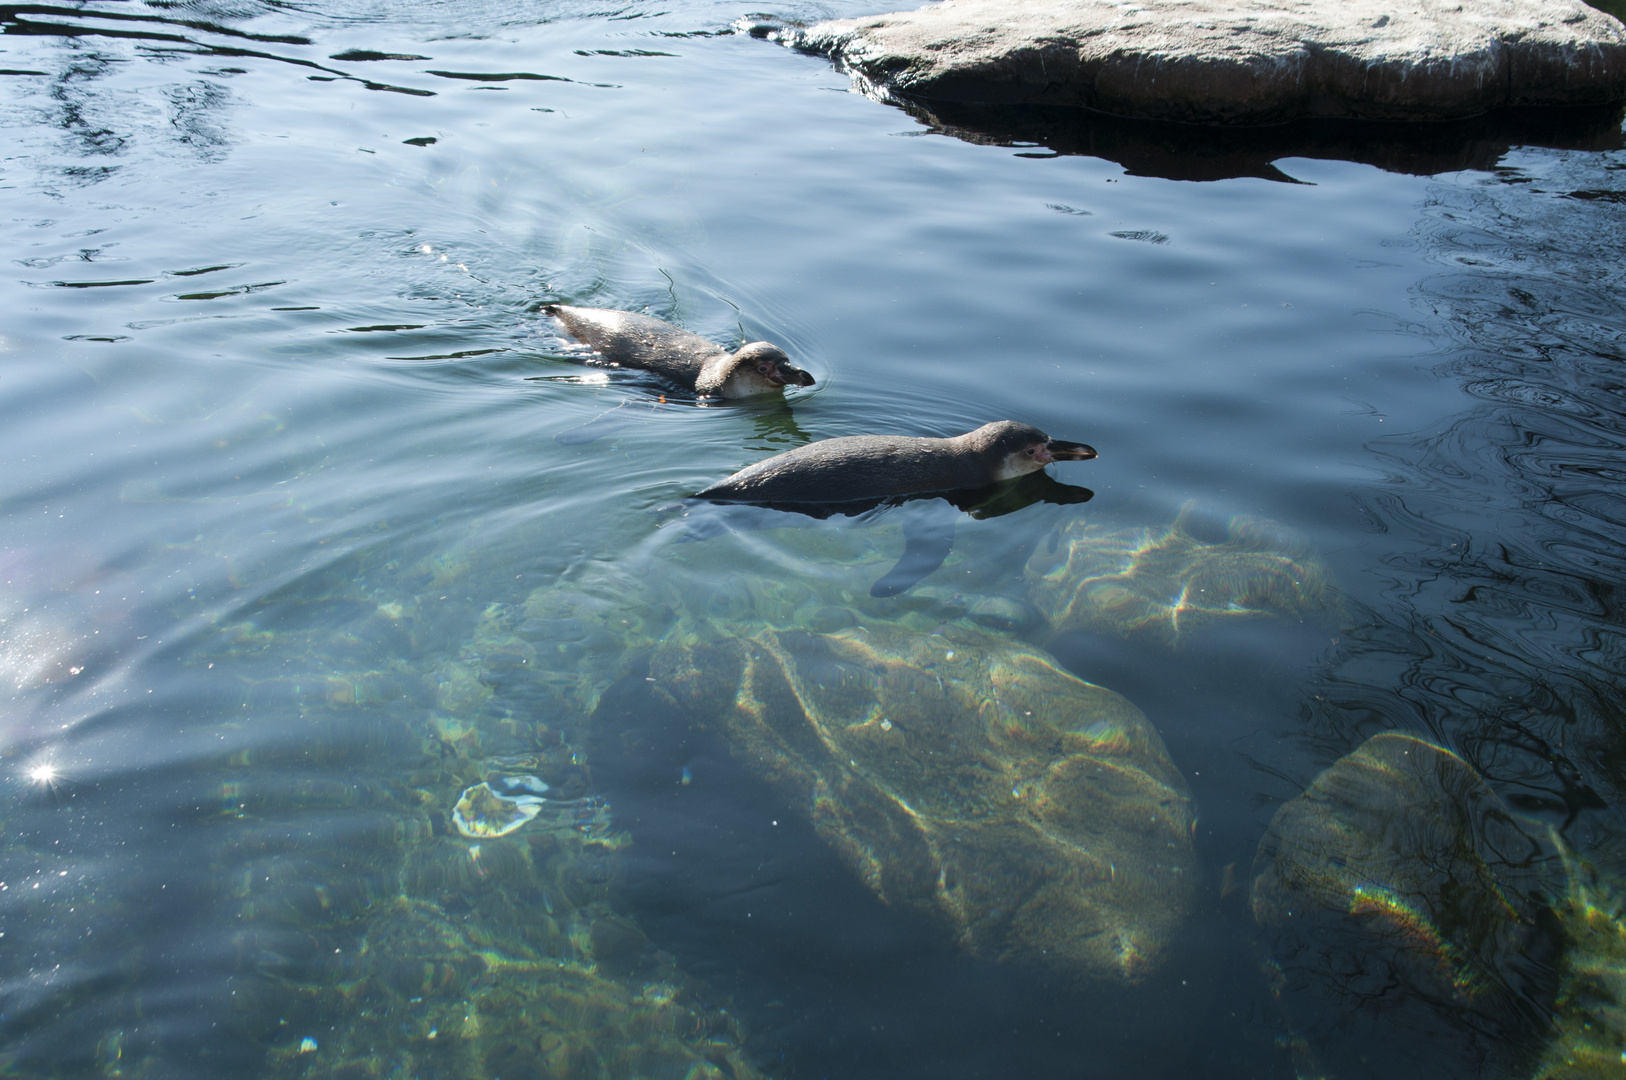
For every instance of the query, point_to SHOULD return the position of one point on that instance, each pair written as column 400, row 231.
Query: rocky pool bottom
column 471, row 918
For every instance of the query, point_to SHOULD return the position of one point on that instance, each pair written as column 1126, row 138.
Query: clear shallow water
column 278, row 425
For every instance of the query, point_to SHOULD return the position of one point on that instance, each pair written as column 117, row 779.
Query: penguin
column 860, row 472
column 624, row 339
column 871, row 468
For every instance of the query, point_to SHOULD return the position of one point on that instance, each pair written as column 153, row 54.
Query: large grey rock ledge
column 1231, row 61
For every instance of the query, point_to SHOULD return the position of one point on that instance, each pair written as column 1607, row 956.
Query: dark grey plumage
column 625, row 339
column 868, row 467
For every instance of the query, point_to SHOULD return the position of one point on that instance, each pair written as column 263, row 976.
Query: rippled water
column 286, row 532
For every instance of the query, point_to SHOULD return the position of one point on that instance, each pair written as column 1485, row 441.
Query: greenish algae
column 373, row 940
column 496, row 956
column 1589, row 1024
column 428, row 996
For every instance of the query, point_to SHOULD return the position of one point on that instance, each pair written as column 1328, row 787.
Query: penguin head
column 761, row 368
column 1017, row 449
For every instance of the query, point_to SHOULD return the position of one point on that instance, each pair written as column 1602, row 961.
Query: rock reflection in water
column 1405, row 917
column 1215, row 152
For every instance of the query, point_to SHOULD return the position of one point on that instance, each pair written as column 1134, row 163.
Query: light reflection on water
column 284, row 510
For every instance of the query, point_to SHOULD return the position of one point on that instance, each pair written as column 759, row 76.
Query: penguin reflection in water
column 685, row 361
column 994, row 470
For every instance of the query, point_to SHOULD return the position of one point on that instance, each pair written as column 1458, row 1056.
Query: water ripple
column 1499, row 627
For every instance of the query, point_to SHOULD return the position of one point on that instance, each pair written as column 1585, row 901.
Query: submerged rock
column 1167, row 582
column 483, row 813
column 963, row 776
column 1405, row 919
column 1222, row 61
column 960, row 773
column 1589, row 1022
column 510, row 995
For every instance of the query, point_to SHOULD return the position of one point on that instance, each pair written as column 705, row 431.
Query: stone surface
column 1405, row 914
column 1165, row 583
column 964, row 776
column 1222, row 61
column 955, row 769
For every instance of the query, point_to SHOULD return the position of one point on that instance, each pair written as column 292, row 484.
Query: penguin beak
column 786, row 374
column 1060, row 450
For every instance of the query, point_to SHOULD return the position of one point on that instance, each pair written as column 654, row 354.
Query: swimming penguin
column 861, row 468
column 857, row 473
column 624, row 339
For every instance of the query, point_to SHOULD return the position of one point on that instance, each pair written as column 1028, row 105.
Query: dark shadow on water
column 834, row 983
column 1202, row 152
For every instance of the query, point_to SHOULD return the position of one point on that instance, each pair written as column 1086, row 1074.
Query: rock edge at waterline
column 1225, row 61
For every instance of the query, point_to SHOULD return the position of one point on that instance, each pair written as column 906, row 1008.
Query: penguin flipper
column 927, row 540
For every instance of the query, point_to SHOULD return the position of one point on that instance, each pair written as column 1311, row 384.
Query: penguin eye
column 766, row 369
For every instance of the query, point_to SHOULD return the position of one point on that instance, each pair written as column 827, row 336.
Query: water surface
column 279, row 409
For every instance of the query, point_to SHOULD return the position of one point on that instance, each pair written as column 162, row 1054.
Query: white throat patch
column 747, row 381
column 1017, row 464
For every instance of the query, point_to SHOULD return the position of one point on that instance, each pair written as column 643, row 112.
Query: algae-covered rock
column 964, row 776
column 1589, row 1017
column 429, row 997
column 1170, row 581
column 496, row 957
column 1404, row 916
